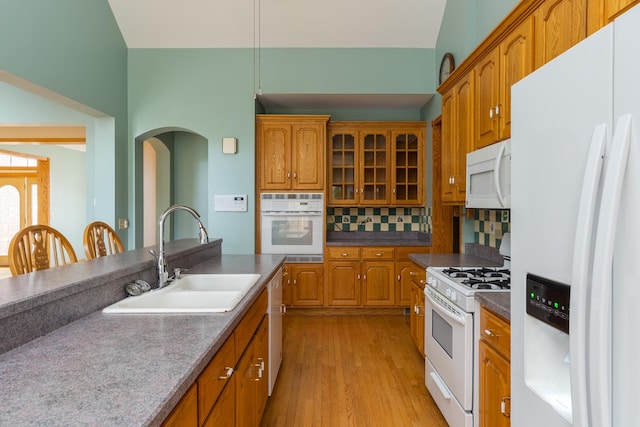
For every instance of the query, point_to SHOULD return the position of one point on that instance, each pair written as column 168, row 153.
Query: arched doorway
column 171, row 168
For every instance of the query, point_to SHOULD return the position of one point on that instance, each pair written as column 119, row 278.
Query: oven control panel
column 548, row 301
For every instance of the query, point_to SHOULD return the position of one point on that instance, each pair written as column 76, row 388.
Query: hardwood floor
column 358, row 370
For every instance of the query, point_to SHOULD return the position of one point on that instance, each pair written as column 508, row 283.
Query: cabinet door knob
column 490, row 333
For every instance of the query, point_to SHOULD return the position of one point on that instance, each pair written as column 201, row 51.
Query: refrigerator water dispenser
column 547, row 359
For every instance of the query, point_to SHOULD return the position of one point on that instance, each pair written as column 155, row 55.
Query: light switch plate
column 229, row 145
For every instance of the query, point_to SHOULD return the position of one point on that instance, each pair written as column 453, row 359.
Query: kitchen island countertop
column 120, row 369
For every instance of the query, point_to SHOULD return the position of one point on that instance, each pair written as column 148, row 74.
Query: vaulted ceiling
column 279, row 23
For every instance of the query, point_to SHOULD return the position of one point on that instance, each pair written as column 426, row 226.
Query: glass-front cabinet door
column 408, row 167
column 374, row 187
column 342, row 176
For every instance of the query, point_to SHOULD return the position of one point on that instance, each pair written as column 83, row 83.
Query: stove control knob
column 431, row 280
column 447, row 293
column 454, row 296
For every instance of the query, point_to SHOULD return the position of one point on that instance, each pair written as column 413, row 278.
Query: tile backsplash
column 379, row 219
column 489, row 225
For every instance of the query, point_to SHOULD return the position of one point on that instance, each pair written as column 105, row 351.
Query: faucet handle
column 177, row 272
column 154, row 253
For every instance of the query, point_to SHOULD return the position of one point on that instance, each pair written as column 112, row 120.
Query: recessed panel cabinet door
column 308, row 155
column 378, row 283
column 275, row 156
column 344, row 283
column 559, row 24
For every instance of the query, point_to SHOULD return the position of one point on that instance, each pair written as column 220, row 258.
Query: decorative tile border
column 379, row 219
column 482, row 221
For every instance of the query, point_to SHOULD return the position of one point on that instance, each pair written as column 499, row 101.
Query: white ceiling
column 278, row 23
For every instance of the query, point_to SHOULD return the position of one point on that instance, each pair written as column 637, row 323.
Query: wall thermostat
column 230, row 203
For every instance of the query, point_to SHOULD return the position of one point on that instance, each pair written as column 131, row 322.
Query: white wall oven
column 449, row 335
column 292, row 223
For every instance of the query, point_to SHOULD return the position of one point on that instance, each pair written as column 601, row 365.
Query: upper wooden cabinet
column 407, row 187
column 457, row 138
column 559, row 24
column 495, row 74
column 376, row 163
column 290, row 152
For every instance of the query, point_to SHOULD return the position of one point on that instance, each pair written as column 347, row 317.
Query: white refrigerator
column 575, row 236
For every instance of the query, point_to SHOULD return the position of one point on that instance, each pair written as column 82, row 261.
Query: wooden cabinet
column 290, row 152
column 376, row 163
column 457, row 138
column 406, row 272
column 407, row 187
column 232, row 390
column 343, row 277
column 304, row 285
column 559, row 24
column 359, row 162
column 252, row 380
column 417, row 310
column 370, row 276
column 378, row 268
column 185, row 413
column 215, row 377
column 494, row 75
column 494, row 370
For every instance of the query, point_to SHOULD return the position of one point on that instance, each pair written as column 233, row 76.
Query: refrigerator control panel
column 548, row 301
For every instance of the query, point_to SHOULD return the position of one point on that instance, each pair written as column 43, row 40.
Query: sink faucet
column 163, row 275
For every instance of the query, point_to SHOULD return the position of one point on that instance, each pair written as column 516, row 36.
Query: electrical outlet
column 505, row 216
column 492, row 228
column 345, row 219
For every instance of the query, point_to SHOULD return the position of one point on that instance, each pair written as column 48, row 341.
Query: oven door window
column 292, row 231
column 442, row 332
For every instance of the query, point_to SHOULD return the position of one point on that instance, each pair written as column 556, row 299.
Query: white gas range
column 449, row 333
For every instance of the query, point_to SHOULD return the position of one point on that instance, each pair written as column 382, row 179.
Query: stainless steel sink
column 193, row 293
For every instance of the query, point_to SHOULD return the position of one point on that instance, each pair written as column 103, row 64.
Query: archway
column 171, row 167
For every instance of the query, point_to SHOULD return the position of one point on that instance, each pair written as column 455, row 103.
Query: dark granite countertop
column 498, row 302
column 120, row 369
column 451, row 260
column 378, row 238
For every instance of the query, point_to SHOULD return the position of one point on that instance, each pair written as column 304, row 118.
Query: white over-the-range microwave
column 489, row 177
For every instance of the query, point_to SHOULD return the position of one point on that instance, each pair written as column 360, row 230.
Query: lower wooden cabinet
column 304, row 285
column 185, row 414
column 252, row 379
column 370, row 276
column 417, row 309
column 233, row 389
column 494, row 370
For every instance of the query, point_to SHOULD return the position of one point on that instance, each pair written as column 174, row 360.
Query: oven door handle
column 293, row 213
column 444, row 311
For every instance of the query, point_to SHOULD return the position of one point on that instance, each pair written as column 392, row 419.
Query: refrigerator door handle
column 599, row 340
column 496, row 172
column 583, row 249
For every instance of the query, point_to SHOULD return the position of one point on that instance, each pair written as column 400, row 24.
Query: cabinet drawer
column 249, row 323
column 402, row 252
column 378, row 253
column 215, row 376
column 495, row 331
column 344, row 253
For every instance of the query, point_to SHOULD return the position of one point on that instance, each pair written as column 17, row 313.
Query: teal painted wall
column 74, row 48
column 210, row 92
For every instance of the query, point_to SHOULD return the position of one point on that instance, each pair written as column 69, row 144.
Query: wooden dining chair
column 38, row 247
column 100, row 240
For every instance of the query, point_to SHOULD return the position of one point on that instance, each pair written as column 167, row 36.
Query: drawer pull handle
column 503, row 406
column 227, row 375
column 490, row 333
column 378, row 254
column 345, row 254
column 413, row 273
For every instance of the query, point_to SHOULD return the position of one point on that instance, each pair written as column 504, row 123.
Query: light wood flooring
column 350, row 370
